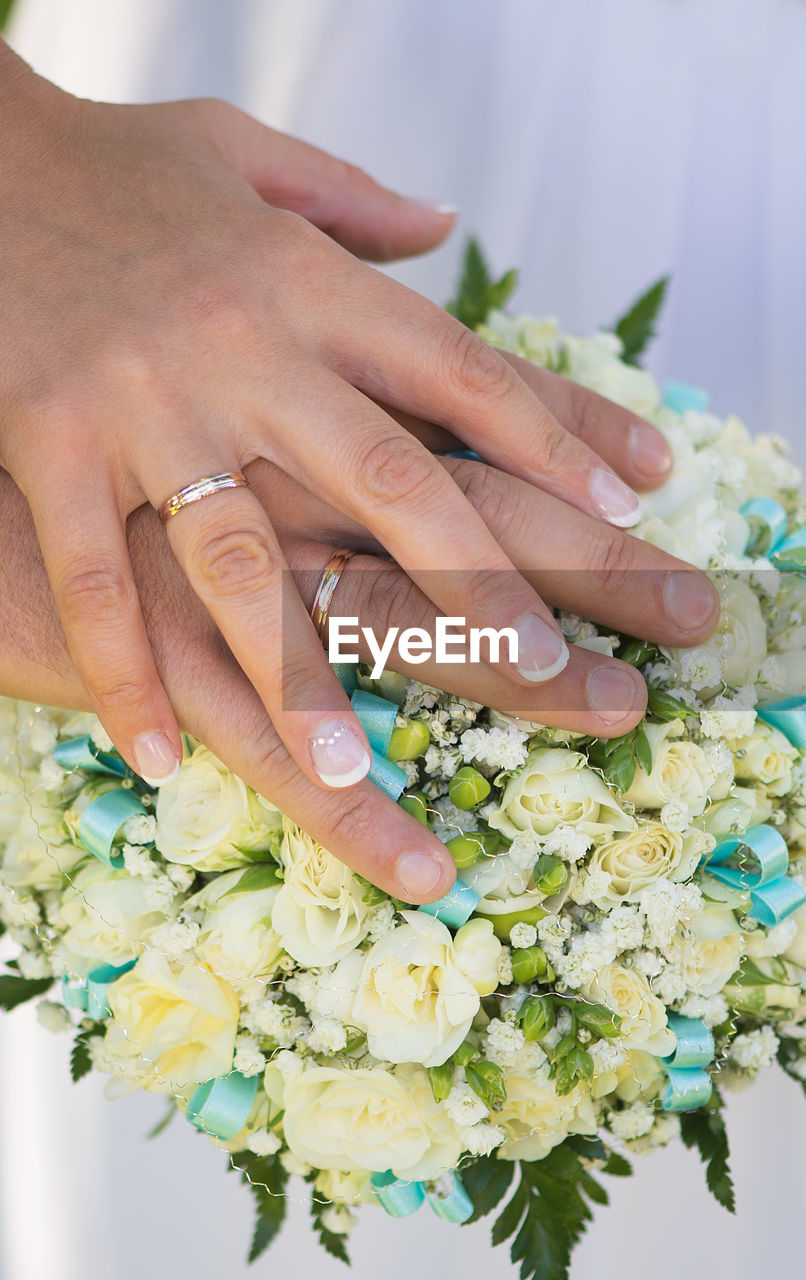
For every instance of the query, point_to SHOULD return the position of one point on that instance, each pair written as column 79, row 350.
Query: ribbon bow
column 689, row 1084
column 101, row 821
column 785, row 551
column 446, row 1196
column 772, row 894
column 90, row 995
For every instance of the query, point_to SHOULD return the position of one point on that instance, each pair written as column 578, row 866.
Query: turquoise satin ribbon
column 91, row 994
column 689, row 1084
column 377, row 716
column 347, row 675
column 788, row 715
column 446, row 1196
column 389, row 777
column 222, row 1106
column 456, row 907
column 101, row 821
column 82, row 753
column 680, row 397
column 785, row 552
column 772, row 894
column 469, row 454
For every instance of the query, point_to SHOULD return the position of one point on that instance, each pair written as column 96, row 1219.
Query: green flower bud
column 536, row 1017
column 563, row 1047
column 487, row 1080
column 550, row 874
column 465, row 850
column 503, row 922
column 467, row 788
column 598, row 1018
column 465, row 1053
column 416, row 803
column 529, row 963
column 409, row 741
column 441, row 1080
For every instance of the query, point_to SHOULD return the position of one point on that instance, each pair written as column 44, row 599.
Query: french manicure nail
column 419, row 874
column 689, row 598
column 611, row 693
column 339, row 756
column 542, row 652
column 156, row 759
column 614, row 500
column 435, row 206
column 649, row 451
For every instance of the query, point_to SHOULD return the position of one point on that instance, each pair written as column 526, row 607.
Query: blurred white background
column 597, row 144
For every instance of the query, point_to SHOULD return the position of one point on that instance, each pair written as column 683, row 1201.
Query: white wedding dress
column 597, row 144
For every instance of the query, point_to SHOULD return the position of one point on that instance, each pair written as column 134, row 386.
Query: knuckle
column 94, row 594
column 349, row 823
column 123, row 697
column 485, row 492
column 232, row 561
column 393, row 470
column 270, row 759
column 613, row 558
column 483, row 590
column 553, row 448
column 393, row 600
column 217, row 304
column 474, row 369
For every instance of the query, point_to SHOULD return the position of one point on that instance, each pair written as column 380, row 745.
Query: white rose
column 102, row 918
column 209, row 819
column 711, row 955
column 796, row 951
column 478, row 952
column 370, row 1119
column 745, row 807
column 791, row 667
column 236, row 938
column 636, row 860
column 177, row 1023
column 555, row 787
column 643, row 1015
column 680, row 770
column 412, row 998
column 320, row 912
column 535, row 1118
column 34, row 850
column 765, row 756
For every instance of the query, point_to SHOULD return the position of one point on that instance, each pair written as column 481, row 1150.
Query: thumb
column 339, row 198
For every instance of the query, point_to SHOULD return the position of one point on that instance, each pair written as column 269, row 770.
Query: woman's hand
column 177, row 310
column 215, row 701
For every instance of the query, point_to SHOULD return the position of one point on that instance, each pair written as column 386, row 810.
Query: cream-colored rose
column 711, row 955
column 639, row 859
column 680, row 771
column 643, row 1015
column 209, row 819
column 535, row 1118
column 743, row 808
column 639, row 1076
column 477, row 952
column 411, row 996
column 796, row 951
column 766, row 756
column 369, row 1119
column 102, row 918
column 34, row 850
column 176, row 1022
column 345, row 1188
column 236, row 938
column 320, row 912
column 555, row 786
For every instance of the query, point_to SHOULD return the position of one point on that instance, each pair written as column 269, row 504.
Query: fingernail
column 611, row 693
column 156, row 759
column 419, row 874
column 435, row 206
column 649, row 451
column 339, row 756
column 689, row 598
column 614, row 500
column 542, row 652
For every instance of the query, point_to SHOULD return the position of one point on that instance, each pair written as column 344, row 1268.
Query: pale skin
column 188, row 299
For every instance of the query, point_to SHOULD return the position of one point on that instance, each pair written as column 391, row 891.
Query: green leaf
column 486, row 1181
column 5, row 13
column 705, row 1130
column 14, row 990
column 636, row 652
column 80, row 1060
column 266, row 1179
column 642, row 750
column 637, row 327
column 749, row 974
column 334, row 1244
column 162, row 1124
column 507, row 1222
column 617, row 1166
column 264, row 875
column 478, row 293
column 664, row 707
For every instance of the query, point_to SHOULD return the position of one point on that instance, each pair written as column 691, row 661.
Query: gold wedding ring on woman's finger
column 200, row 489
column 327, row 589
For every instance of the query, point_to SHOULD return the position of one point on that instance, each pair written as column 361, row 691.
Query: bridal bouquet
column 626, row 938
